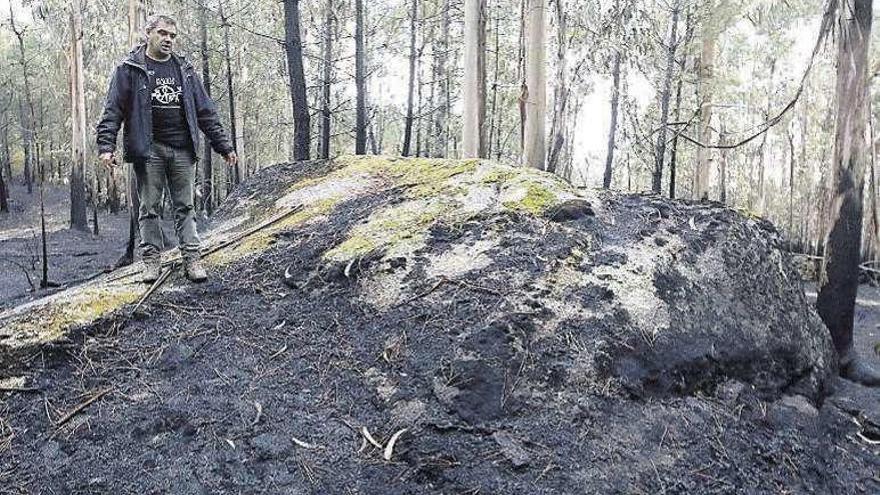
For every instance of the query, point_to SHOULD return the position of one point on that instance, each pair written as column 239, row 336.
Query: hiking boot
column 860, row 371
column 152, row 268
column 192, row 267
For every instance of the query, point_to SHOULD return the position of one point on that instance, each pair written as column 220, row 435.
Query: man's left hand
column 231, row 159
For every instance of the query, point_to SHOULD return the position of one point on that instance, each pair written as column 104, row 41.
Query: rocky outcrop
column 497, row 315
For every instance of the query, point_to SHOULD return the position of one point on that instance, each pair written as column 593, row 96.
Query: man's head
column 161, row 35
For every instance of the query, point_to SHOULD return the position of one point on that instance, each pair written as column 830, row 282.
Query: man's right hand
column 107, row 159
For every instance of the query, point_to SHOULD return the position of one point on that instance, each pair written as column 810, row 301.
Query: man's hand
column 231, row 159
column 107, row 160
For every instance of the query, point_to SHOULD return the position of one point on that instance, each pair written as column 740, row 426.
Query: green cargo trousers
column 176, row 168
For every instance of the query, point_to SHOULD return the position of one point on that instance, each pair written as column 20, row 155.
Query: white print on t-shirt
column 166, row 94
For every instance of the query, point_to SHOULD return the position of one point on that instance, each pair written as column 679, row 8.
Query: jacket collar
column 137, row 57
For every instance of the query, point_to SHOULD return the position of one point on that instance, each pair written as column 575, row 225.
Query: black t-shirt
column 169, row 119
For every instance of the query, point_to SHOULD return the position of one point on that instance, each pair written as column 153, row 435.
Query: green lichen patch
column 435, row 190
column 263, row 239
column 51, row 319
column 396, row 230
column 536, row 199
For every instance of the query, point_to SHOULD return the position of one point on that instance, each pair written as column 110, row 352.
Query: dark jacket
column 128, row 101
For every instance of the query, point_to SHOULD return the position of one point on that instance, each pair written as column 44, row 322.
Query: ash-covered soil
column 516, row 353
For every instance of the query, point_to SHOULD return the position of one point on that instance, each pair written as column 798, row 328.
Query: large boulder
column 526, row 335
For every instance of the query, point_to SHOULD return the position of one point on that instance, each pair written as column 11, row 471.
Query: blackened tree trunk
column 673, row 153
column 5, row 164
column 78, row 205
column 208, row 165
column 327, row 83
column 495, row 118
column 612, row 132
column 560, row 91
column 839, row 280
column 360, row 76
column 137, row 17
column 293, row 47
column 410, row 99
column 660, row 152
column 235, row 172
column 26, row 111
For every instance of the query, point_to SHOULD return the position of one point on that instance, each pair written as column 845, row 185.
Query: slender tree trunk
column 293, row 45
column 495, row 118
column 360, row 71
column 4, row 192
column 706, row 75
column 235, row 171
column 612, row 133
column 137, row 17
column 441, row 144
column 326, row 85
column 535, row 90
column 410, row 99
column 5, row 165
column 673, row 158
column 208, row 165
column 839, row 280
column 791, row 163
column 560, row 91
column 722, row 197
column 473, row 136
column 78, row 207
column 660, row 151
column 26, row 111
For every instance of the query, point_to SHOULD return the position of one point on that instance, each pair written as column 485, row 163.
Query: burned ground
column 598, row 344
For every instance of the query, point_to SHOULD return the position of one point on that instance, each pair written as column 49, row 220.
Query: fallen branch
column 19, row 389
column 159, row 281
column 223, row 244
column 78, row 409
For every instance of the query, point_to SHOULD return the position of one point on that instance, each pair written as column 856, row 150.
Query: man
column 162, row 102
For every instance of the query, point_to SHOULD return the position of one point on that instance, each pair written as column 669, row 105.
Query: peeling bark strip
column 840, row 271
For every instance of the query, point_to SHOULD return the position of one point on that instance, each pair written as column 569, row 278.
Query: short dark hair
column 154, row 21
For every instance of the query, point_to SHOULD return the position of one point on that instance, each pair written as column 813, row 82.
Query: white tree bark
column 535, row 89
column 474, row 84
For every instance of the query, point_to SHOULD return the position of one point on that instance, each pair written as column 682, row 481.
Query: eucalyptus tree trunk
column 495, row 114
column 839, row 278
column 234, row 172
column 208, row 194
column 408, row 123
column 441, row 143
column 673, row 153
column 26, row 111
column 560, row 91
column 660, row 150
column 137, row 19
column 612, row 132
column 706, row 74
column 327, row 83
column 360, row 77
column 293, row 47
column 473, row 132
column 78, row 204
column 535, row 88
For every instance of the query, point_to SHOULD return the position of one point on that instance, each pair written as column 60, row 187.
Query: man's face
column 161, row 38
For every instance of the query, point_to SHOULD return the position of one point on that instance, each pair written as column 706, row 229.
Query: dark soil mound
column 412, row 326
